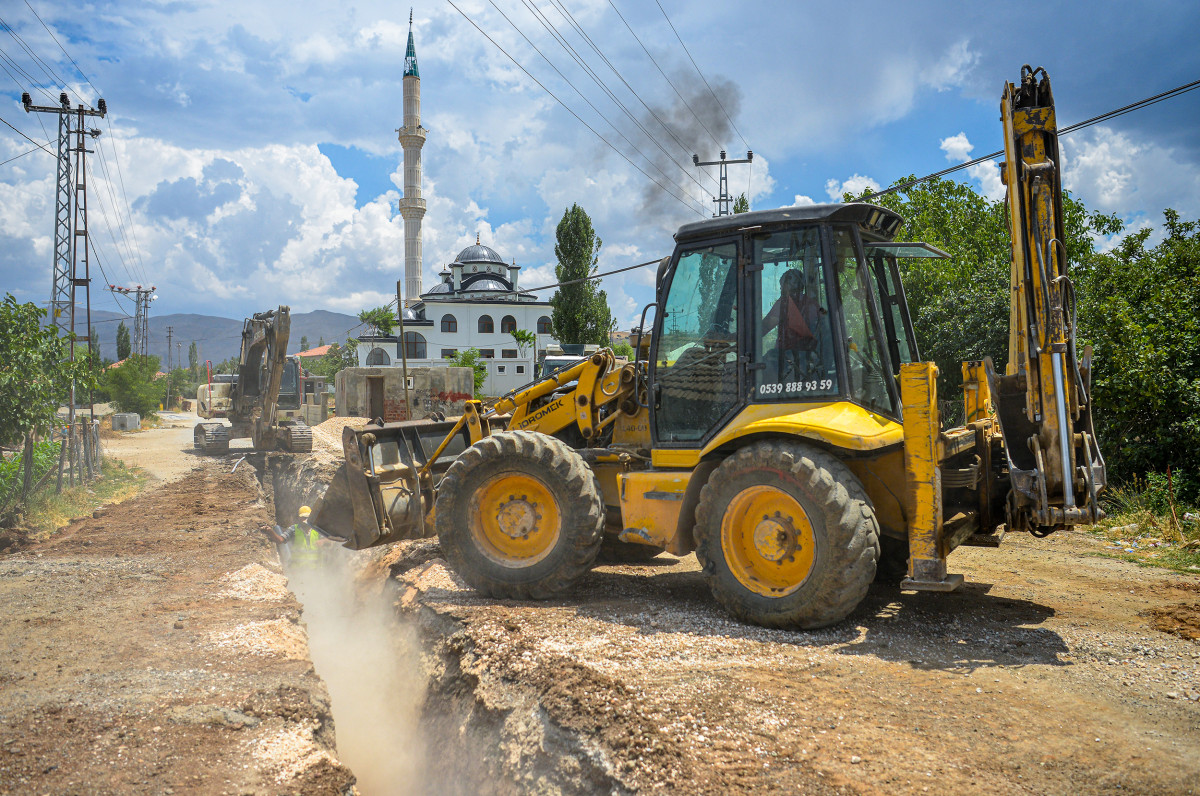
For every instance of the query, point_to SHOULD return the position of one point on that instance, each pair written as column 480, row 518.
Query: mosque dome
column 479, row 254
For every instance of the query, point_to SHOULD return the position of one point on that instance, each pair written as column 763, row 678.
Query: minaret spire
column 412, row 138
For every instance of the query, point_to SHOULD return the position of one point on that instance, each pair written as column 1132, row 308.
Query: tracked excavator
column 778, row 421
column 262, row 400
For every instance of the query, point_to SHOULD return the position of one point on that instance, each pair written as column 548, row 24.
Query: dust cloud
column 370, row 661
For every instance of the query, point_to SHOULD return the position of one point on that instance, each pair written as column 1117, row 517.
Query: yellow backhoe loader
column 778, row 421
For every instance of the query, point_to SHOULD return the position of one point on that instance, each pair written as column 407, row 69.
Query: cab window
column 695, row 365
column 792, row 338
column 870, row 379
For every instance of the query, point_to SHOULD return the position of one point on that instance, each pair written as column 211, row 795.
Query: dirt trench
column 1051, row 671
column 464, row 727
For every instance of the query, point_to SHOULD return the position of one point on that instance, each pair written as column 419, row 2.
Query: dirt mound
column 1181, row 620
column 327, row 436
column 13, row 539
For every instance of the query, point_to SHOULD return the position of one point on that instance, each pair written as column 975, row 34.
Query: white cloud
column 857, row 183
column 958, row 150
column 953, row 68
column 802, row 200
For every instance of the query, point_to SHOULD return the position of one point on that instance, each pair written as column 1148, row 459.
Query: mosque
column 477, row 303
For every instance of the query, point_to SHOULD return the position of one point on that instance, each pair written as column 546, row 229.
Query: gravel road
column 157, row 649
column 1041, row 676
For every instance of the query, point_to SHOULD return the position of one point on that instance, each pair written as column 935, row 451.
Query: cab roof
column 872, row 220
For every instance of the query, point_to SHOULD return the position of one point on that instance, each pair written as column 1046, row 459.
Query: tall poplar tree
column 124, row 346
column 580, row 311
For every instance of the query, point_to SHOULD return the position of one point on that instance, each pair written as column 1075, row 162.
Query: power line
column 702, row 77
column 568, row 109
column 554, row 33
column 678, row 93
column 1130, row 108
column 570, row 19
column 27, row 152
column 64, row 49
column 46, row 68
column 27, row 138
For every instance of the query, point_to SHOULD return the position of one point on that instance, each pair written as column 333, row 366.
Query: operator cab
column 801, row 305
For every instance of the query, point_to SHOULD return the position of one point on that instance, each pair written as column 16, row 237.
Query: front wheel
column 519, row 515
column 786, row 536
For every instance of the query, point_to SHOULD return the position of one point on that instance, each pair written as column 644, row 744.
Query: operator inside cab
column 794, row 333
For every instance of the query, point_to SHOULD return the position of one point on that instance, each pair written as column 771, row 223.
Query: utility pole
column 170, row 331
column 723, row 200
column 70, row 235
column 61, row 299
column 142, row 296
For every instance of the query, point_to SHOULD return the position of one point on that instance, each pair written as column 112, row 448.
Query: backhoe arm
column 1042, row 400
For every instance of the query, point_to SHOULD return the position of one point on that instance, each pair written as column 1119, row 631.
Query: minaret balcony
column 412, row 207
column 412, row 136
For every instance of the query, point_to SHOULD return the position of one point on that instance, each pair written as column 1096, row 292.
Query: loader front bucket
column 383, row 490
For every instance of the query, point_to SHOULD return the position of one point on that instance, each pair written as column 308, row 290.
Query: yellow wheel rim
column 515, row 520
column 768, row 541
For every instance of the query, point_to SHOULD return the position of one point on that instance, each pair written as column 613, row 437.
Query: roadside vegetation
column 1138, row 291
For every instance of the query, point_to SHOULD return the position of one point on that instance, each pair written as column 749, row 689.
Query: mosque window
column 508, row 325
column 449, row 323
column 486, row 326
column 543, row 325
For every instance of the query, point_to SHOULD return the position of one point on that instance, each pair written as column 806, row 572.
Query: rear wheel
column 786, row 536
column 519, row 515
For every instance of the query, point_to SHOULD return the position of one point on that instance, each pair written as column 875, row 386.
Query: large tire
column 810, row 558
column 519, row 515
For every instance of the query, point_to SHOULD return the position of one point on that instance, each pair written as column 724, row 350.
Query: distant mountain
column 216, row 338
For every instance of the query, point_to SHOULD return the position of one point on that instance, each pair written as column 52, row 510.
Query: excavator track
column 299, row 439
column 212, row 438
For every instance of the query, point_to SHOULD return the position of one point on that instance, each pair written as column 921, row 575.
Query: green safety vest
column 304, row 547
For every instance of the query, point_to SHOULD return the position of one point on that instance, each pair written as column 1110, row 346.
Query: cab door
column 694, row 367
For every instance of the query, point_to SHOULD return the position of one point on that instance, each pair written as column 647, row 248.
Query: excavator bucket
column 383, row 491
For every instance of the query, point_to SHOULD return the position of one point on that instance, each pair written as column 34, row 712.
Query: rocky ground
column 1049, row 673
column 156, row 648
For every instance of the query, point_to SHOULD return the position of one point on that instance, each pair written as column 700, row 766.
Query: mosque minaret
column 412, row 206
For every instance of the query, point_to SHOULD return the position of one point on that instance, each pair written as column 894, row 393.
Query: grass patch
column 1141, row 536
column 47, row 512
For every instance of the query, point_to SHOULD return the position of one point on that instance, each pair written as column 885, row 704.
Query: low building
column 379, row 392
column 476, row 305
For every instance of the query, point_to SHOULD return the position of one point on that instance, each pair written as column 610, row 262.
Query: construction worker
column 297, row 545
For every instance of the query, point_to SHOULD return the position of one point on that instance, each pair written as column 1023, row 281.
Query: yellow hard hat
column 305, row 511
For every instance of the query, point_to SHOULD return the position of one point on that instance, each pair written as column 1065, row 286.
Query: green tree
column 124, row 346
column 133, row 387
column 741, row 204
column 624, row 350
column 960, row 305
column 1137, row 307
column 580, row 312
column 320, row 342
column 469, row 358
column 181, row 386
column 380, row 319
column 524, row 339
column 338, row 357
column 35, row 376
column 303, row 342
column 229, row 365
column 194, row 361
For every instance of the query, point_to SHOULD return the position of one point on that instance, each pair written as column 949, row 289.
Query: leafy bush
column 133, row 387
column 470, row 359
column 12, row 471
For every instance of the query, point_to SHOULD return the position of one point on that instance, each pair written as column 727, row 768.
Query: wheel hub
column 775, row 538
column 768, row 541
column 518, row 517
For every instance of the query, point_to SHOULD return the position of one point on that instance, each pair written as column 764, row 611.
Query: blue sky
column 250, row 155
